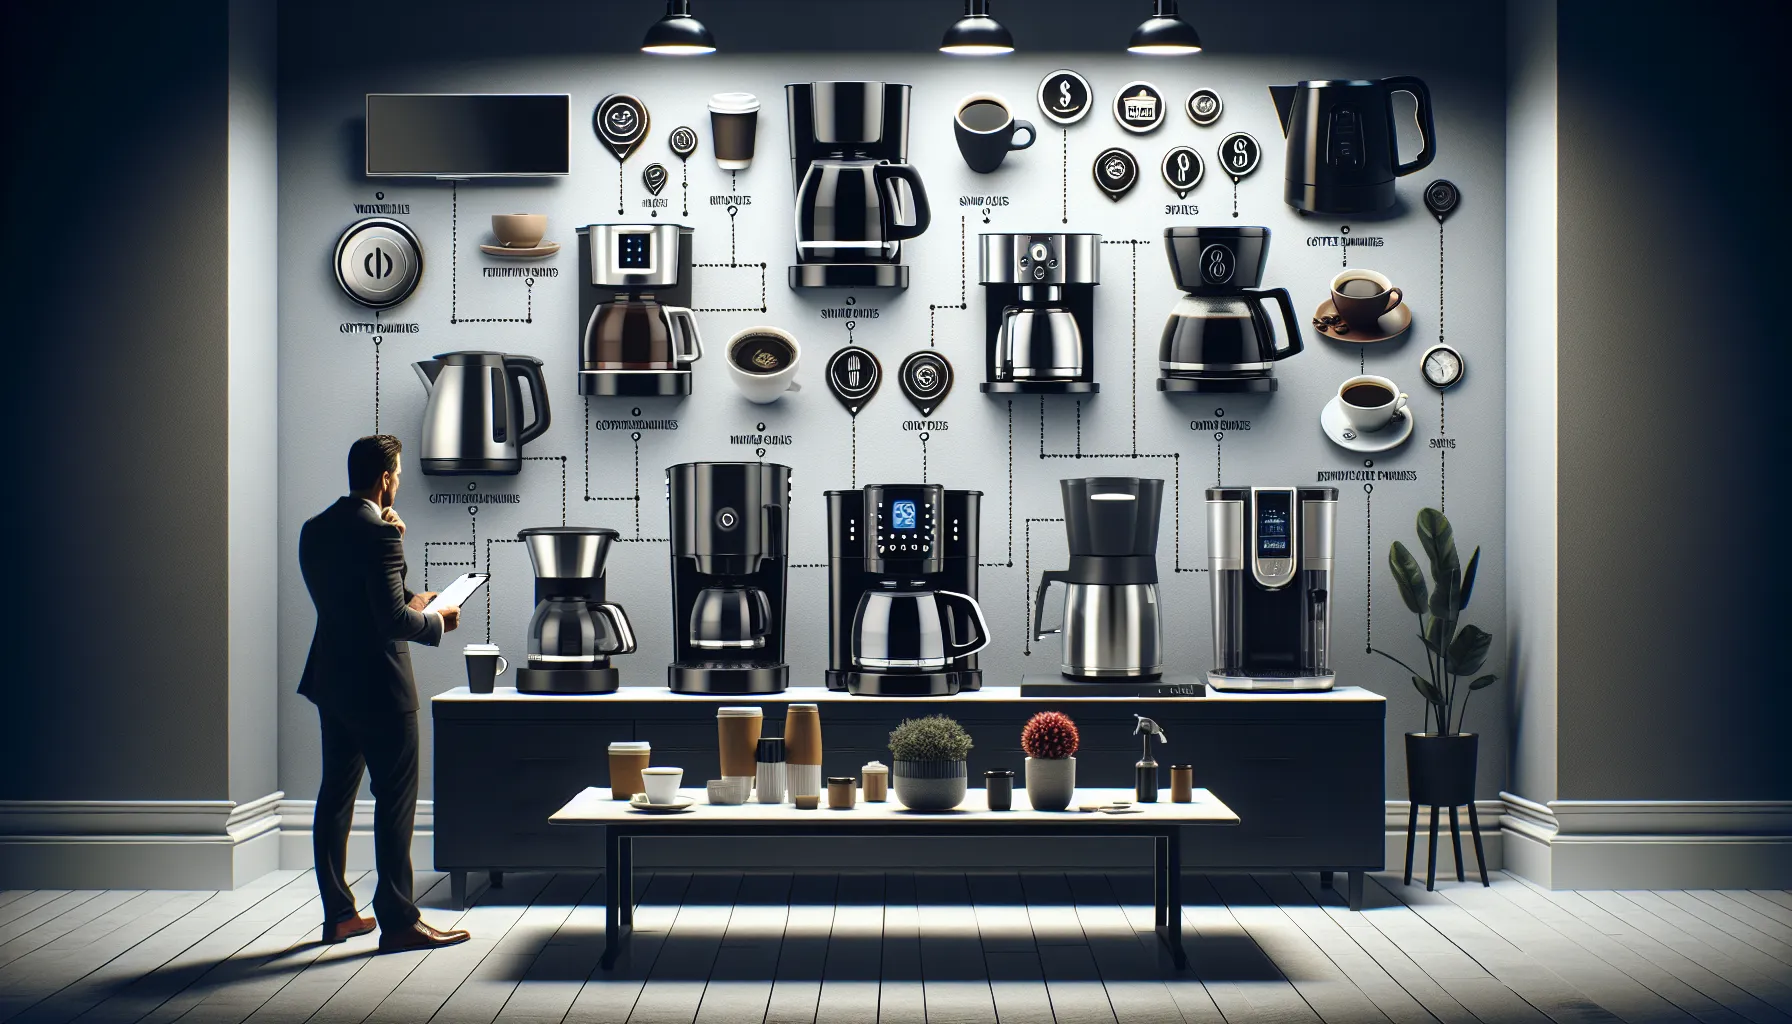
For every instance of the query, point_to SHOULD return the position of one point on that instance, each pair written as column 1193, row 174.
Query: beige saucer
column 1393, row 324
column 534, row 252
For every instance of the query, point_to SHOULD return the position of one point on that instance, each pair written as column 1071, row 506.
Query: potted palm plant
column 1440, row 759
column 1050, row 740
column 929, row 770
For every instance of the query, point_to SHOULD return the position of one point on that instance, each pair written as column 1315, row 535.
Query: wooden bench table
column 1161, row 821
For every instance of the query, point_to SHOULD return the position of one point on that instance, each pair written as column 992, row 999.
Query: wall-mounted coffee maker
column 903, row 617
column 1218, row 339
column 1269, row 556
column 857, row 197
column 730, row 538
column 638, row 336
column 1039, row 312
column 1113, row 628
column 574, row 631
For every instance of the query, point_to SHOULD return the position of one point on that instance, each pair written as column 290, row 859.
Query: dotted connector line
column 1026, row 587
column 489, row 541
column 1440, row 280
column 761, row 308
column 376, row 383
column 562, row 460
column 1368, row 569
column 1064, row 180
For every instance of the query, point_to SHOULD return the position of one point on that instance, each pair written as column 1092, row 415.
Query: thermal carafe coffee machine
column 1269, row 556
column 857, row 197
column 730, row 535
column 574, row 631
column 1219, row 340
column 638, row 336
column 1039, row 312
column 903, row 617
column 1112, row 627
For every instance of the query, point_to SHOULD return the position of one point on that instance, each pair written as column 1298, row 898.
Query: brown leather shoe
column 420, row 936
column 346, row 929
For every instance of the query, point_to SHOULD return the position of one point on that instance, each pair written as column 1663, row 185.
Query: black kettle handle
column 1428, row 134
column 922, row 213
column 528, row 370
column 1046, row 579
column 1295, row 344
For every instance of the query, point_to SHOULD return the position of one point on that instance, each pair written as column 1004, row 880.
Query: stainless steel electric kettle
column 1342, row 153
column 474, row 420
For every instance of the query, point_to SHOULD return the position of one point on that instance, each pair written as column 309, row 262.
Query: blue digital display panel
column 902, row 515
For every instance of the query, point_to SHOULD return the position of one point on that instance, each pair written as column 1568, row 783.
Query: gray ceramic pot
column 1051, row 782
column 929, row 785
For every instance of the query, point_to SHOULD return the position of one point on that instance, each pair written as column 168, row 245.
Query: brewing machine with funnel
column 730, row 539
column 1269, row 558
column 1039, row 312
column 574, row 631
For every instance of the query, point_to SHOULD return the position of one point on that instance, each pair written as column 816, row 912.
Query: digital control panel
column 1273, row 535
column 905, row 522
column 634, row 253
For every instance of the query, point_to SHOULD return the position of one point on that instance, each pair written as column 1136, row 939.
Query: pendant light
column 1165, row 33
column 678, row 34
column 977, row 34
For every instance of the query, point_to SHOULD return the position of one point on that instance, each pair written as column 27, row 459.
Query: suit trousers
column 384, row 743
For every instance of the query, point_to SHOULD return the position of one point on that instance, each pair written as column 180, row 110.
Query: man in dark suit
column 359, row 676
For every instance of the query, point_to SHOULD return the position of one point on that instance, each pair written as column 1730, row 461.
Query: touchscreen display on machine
column 1273, row 536
column 635, row 252
column 902, row 515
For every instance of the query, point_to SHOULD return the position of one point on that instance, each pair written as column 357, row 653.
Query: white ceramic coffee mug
column 1365, row 418
column 661, row 784
column 760, row 386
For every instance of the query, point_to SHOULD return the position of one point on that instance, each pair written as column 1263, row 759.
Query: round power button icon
column 727, row 519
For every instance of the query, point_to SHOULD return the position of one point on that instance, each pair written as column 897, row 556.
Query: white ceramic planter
column 1051, row 782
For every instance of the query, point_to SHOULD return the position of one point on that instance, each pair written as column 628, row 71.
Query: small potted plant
column 1440, row 761
column 929, row 770
column 1050, row 739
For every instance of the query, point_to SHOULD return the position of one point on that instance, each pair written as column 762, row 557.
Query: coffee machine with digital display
column 903, row 617
column 1039, row 312
column 1269, row 556
column 730, row 538
column 638, row 336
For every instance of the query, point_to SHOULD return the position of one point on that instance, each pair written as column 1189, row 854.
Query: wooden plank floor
column 997, row 947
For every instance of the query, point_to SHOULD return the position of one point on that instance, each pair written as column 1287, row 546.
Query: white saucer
column 638, row 802
column 534, row 252
column 1338, row 429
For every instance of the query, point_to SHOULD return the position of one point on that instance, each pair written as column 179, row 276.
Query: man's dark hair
column 369, row 457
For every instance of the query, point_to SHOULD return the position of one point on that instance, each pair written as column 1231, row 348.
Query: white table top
column 823, row 695
column 594, row 806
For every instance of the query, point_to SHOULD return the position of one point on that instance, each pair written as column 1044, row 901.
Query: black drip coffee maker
column 574, row 631
column 730, row 541
column 1219, row 340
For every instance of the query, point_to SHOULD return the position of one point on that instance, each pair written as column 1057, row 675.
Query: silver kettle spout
column 427, row 371
column 1283, row 95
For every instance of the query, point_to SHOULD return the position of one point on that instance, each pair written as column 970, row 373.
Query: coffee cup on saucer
column 762, row 361
column 519, row 230
column 1369, row 403
column 1363, row 297
column 661, row 784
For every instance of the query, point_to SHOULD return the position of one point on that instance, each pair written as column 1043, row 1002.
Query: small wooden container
column 1182, row 783
column 876, row 777
column 841, row 792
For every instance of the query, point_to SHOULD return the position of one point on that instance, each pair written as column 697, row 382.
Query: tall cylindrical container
column 802, row 749
column 771, row 774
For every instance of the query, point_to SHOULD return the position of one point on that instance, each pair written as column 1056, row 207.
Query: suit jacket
column 354, row 567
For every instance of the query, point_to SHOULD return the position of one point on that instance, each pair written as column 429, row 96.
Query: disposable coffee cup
column 737, row 732
column 484, row 666
column 734, row 122
column 627, row 759
column 762, row 363
column 1369, row 403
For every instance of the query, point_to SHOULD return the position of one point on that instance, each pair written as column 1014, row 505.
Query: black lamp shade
column 678, row 33
column 977, row 34
column 1165, row 33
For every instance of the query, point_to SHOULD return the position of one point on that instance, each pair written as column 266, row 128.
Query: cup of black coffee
column 484, row 666
column 1363, row 297
column 987, row 131
column 762, row 361
column 1370, row 403
column 733, row 123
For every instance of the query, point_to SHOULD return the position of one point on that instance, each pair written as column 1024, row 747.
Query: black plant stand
column 1440, row 772
column 1474, row 828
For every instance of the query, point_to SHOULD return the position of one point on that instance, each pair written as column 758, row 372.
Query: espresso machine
column 1269, row 556
column 574, row 631
column 903, row 617
column 1218, row 339
column 1039, row 312
column 1112, row 627
column 857, row 197
column 638, row 336
column 730, row 538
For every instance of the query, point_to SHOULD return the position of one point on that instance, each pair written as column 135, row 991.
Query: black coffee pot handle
column 977, row 628
column 1295, row 344
column 1046, row 579
column 527, row 369
column 620, row 629
column 1427, row 133
column 760, row 620
column 906, row 220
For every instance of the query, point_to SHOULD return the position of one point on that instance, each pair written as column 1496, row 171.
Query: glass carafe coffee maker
column 730, row 537
column 638, row 335
column 1269, row 557
column 574, row 631
column 1219, row 340
column 857, row 197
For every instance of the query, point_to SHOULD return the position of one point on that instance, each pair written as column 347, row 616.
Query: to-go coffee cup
column 1363, row 297
column 762, row 361
column 1370, row 403
column 484, row 666
column 733, row 124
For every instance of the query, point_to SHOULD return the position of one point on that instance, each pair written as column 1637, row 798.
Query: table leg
column 1456, row 841
column 1170, row 928
column 628, row 881
column 1474, row 828
column 1325, row 879
column 457, row 887
column 1431, row 867
column 614, row 884
column 1356, row 890
column 497, row 879
column 1160, row 880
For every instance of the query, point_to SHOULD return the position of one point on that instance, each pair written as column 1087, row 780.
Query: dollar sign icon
column 1064, row 97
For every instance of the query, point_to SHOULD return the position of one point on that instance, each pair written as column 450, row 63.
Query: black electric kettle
column 1342, row 152
column 474, row 420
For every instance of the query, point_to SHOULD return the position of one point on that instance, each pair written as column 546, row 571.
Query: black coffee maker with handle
column 1342, row 152
column 1219, row 339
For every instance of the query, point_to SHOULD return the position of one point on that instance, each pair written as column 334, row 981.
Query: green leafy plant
column 1452, row 652
column 934, row 738
column 1049, row 735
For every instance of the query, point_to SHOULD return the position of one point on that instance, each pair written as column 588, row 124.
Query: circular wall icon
column 1182, row 170
column 1239, row 154
column 854, row 375
column 1441, row 197
column 1116, row 172
column 621, row 123
column 1065, row 96
column 1139, row 107
column 654, row 177
column 683, row 141
column 1204, row 107
column 926, row 377
column 378, row 262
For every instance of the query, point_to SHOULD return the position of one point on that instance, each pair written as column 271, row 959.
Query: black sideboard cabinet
column 1304, row 772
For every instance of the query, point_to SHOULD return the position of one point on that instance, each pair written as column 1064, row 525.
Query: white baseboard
column 138, row 844
column 295, row 835
column 1650, row 844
